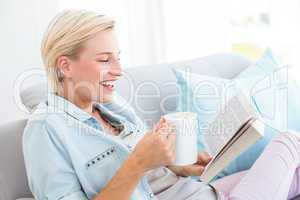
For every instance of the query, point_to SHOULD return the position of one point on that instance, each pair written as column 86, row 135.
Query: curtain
column 139, row 27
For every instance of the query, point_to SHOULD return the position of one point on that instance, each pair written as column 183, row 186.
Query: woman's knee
column 288, row 138
column 289, row 141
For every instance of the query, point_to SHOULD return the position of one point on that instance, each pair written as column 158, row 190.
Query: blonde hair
column 65, row 36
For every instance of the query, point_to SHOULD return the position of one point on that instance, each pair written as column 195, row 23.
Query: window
column 159, row 31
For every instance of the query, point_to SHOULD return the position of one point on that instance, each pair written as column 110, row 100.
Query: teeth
column 108, row 83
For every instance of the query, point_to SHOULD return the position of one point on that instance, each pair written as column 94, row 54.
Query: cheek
column 88, row 72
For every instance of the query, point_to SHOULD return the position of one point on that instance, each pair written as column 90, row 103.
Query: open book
column 235, row 129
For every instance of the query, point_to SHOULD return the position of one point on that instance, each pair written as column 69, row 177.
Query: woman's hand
column 194, row 169
column 157, row 147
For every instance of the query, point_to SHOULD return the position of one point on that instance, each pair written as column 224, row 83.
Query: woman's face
column 96, row 69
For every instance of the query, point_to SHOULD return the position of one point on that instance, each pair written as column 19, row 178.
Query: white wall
column 21, row 24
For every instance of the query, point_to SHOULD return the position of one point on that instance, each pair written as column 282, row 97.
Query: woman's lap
column 188, row 189
column 226, row 184
column 275, row 175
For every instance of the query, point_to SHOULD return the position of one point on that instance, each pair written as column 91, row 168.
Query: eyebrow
column 101, row 53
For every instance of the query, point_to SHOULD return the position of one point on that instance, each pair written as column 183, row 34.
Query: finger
column 161, row 122
column 161, row 131
column 155, row 127
column 158, row 125
column 203, row 158
column 194, row 170
column 172, row 141
column 168, row 128
column 172, row 137
column 165, row 129
column 169, row 125
column 162, row 119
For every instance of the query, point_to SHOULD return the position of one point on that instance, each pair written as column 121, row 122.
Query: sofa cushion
column 13, row 180
column 32, row 95
column 205, row 95
column 26, row 199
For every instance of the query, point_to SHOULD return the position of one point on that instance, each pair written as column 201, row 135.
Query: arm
column 129, row 174
column 143, row 158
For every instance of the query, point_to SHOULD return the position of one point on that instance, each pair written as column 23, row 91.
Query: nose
column 116, row 69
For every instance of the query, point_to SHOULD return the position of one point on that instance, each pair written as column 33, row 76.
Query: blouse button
column 151, row 195
column 129, row 147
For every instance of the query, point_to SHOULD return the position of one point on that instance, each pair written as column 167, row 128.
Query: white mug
column 186, row 125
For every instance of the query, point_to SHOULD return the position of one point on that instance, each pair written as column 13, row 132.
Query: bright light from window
column 195, row 28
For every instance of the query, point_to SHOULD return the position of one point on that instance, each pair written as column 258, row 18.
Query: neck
column 84, row 104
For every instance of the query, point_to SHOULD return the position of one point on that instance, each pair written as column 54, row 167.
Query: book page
column 235, row 137
column 236, row 112
column 246, row 136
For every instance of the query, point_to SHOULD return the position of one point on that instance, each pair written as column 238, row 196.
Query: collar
column 59, row 103
column 114, row 120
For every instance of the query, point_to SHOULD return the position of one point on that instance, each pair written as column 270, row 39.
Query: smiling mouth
column 108, row 84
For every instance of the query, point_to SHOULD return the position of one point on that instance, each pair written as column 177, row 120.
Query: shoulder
column 48, row 163
column 44, row 130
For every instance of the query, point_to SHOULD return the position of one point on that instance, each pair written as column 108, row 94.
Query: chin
column 106, row 99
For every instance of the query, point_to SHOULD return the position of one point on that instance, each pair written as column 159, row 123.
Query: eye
column 104, row 61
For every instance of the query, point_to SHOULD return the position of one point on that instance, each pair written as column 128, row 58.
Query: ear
column 64, row 64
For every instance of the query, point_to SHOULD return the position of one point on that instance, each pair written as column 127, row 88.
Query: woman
column 82, row 144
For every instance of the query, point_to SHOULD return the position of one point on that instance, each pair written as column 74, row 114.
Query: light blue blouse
column 69, row 157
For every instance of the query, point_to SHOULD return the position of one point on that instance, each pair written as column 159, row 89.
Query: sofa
column 151, row 90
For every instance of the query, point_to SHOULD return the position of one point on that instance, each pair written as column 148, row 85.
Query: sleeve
column 49, row 171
